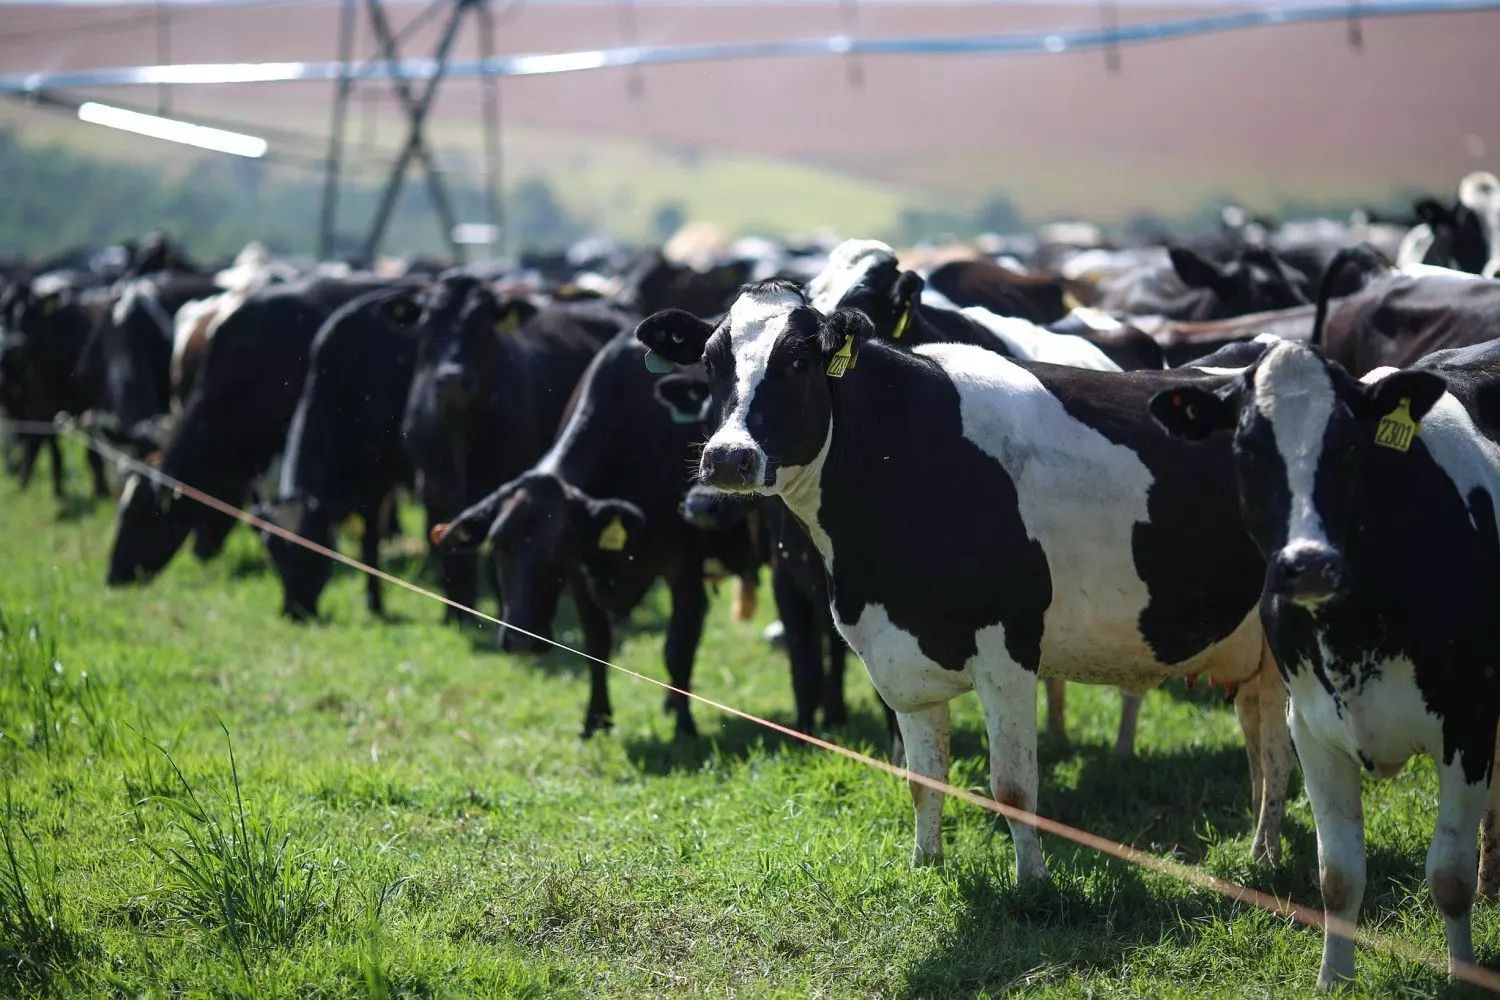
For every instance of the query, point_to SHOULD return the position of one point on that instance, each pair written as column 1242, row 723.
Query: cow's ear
column 1196, row 271
column 684, row 396
column 401, row 310
column 674, row 336
column 1433, row 212
column 908, row 289
column 1192, row 412
column 469, row 529
column 614, row 527
column 841, row 336
column 512, row 315
column 1421, row 389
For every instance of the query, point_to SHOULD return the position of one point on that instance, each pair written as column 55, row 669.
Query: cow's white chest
column 1080, row 497
column 1378, row 717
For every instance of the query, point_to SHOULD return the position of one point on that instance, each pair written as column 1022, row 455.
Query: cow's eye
column 799, row 364
column 708, row 367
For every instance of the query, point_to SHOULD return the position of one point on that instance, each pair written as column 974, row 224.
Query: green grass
column 201, row 799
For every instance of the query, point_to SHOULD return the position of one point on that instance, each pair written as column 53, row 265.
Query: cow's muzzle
column 1308, row 576
column 731, row 466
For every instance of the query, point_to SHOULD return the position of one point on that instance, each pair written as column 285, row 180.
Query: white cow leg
column 1247, row 709
column 1453, row 856
column 1333, row 789
column 1277, row 758
column 925, row 734
column 1130, row 717
column 1489, row 839
column 1008, row 694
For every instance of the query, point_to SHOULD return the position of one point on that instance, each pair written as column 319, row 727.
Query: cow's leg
column 835, row 709
column 1489, row 839
column 1130, row 717
column 598, row 638
column 1247, row 709
column 684, row 630
column 1277, row 758
column 1333, row 789
column 54, row 452
column 1057, row 710
column 924, row 733
column 804, row 627
column 96, row 471
column 1007, row 692
column 369, row 554
column 1453, row 856
column 31, row 447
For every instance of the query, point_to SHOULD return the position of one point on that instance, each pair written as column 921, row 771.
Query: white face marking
column 1293, row 392
column 849, row 262
column 756, row 321
column 1480, row 193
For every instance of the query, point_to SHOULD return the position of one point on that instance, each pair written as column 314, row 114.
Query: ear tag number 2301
column 1397, row 428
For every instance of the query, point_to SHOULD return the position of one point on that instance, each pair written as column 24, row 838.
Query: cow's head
column 1301, row 426
column 150, row 527
column 768, row 365
column 864, row 275
column 541, row 530
column 1256, row 280
column 461, row 325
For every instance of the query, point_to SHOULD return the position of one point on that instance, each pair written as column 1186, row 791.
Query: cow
column 1400, row 317
column 343, row 451
column 1185, row 342
column 1373, row 502
column 44, row 326
column 1465, row 235
column 491, row 381
column 1041, row 299
column 598, row 516
column 985, row 522
column 1196, row 288
column 232, row 427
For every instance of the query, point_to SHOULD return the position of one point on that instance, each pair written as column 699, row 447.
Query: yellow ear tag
column 1397, row 428
column 901, row 323
column 613, row 537
column 843, row 359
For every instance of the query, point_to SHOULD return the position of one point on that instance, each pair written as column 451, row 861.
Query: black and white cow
column 598, row 516
column 231, row 428
column 1401, row 316
column 986, row 522
column 1465, row 235
column 1197, row 288
column 343, row 452
column 1374, row 504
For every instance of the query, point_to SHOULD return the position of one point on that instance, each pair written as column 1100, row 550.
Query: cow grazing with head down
column 1374, row 504
column 232, row 427
column 598, row 516
column 1465, row 235
column 343, row 452
column 984, row 522
column 491, row 381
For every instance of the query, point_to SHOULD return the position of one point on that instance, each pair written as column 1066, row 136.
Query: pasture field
column 409, row 813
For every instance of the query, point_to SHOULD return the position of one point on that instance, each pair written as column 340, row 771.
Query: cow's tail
column 1359, row 254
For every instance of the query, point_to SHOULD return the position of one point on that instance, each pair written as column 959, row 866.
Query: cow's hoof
column 1262, row 853
column 926, row 859
column 600, row 725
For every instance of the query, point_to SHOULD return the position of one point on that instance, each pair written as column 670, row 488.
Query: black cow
column 231, row 428
column 128, row 360
column 1465, row 235
column 491, row 382
column 598, row 515
column 1398, row 318
column 343, row 453
column 44, row 326
column 987, row 521
column 1040, row 298
column 1196, row 288
column 1374, row 504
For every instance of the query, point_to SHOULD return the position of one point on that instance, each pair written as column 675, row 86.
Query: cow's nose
column 731, row 467
column 1309, row 576
column 702, row 507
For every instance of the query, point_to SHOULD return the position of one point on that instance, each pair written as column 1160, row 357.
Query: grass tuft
column 36, row 941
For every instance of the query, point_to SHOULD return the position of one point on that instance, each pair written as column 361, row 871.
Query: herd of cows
column 1270, row 458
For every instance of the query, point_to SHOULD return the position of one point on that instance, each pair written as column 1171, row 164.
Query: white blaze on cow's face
column 765, row 370
column 1479, row 192
column 847, row 267
column 1294, row 399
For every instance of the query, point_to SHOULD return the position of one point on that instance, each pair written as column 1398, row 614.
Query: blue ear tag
column 658, row 365
column 678, row 417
